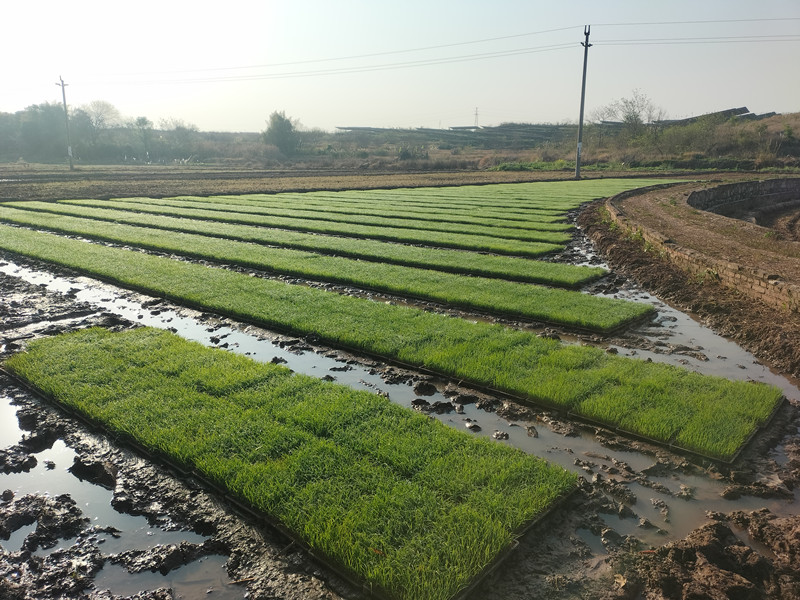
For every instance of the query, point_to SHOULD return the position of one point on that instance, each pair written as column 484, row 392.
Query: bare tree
column 633, row 112
column 638, row 109
column 103, row 114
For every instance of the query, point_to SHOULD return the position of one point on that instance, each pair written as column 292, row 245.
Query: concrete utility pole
column 586, row 45
column 66, row 120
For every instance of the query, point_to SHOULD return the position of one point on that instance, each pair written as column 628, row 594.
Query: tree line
column 631, row 131
column 99, row 134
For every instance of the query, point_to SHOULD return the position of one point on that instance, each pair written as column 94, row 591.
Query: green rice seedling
column 560, row 196
column 501, row 297
column 721, row 423
column 444, row 234
column 466, row 240
column 434, row 220
column 341, row 488
column 39, row 214
column 517, row 362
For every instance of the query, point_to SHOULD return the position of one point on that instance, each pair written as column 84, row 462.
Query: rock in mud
column 16, row 460
column 424, row 388
column 420, row 404
column 560, row 427
column 56, row 518
column 512, row 411
column 465, row 398
column 440, row 408
column 487, row 404
column 100, row 472
column 472, row 425
column 165, row 558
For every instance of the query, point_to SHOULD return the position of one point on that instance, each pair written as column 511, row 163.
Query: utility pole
column 476, row 117
column 66, row 120
column 586, row 45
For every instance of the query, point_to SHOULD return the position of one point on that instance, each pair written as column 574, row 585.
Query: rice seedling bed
column 561, row 195
column 42, row 214
column 408, row 505
column 369, row 214
column 467, row 241
column 499, row 297
column 708, row 415
column 397, row 205
column 534, row 211
column 386, row 228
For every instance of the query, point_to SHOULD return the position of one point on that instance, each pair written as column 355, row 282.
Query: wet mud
column 645, row 522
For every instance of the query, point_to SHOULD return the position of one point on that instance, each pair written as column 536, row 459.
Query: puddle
column 10, row 433
column 17, row 538
column 206, row 577
column 594, row 542
column 687, row 339
column 50, row 477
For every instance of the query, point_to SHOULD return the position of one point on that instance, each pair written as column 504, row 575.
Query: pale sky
column 225, row 66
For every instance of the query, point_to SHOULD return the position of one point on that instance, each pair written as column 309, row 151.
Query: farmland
column 638, row 397
column 649, row 400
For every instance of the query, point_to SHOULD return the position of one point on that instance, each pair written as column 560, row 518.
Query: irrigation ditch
column 81, row 516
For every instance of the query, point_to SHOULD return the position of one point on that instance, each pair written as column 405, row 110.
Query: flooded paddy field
column 89, row 518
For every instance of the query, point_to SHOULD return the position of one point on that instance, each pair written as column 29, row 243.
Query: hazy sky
column 227, row 65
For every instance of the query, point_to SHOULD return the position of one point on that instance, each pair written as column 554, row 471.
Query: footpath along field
column 708, row 415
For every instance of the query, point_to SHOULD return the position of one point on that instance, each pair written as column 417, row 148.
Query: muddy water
column 671, row 503
column 117, row 532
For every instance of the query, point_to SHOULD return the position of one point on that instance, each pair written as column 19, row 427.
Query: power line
column 152, row 77
column 456, row 44
column 358, row 56
column 707, row 22
column 358, row 69
column 704, row 40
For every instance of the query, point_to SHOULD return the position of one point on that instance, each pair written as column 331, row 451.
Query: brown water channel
column 675, row 502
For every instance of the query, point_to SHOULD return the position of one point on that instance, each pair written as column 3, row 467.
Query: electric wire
column 216, row 74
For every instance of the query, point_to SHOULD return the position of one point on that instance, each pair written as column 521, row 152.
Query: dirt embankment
column 771, row 334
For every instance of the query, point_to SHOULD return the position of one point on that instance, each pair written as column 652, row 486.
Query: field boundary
column 756, row 283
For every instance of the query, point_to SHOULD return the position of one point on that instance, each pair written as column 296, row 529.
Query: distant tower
column 476, row 116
